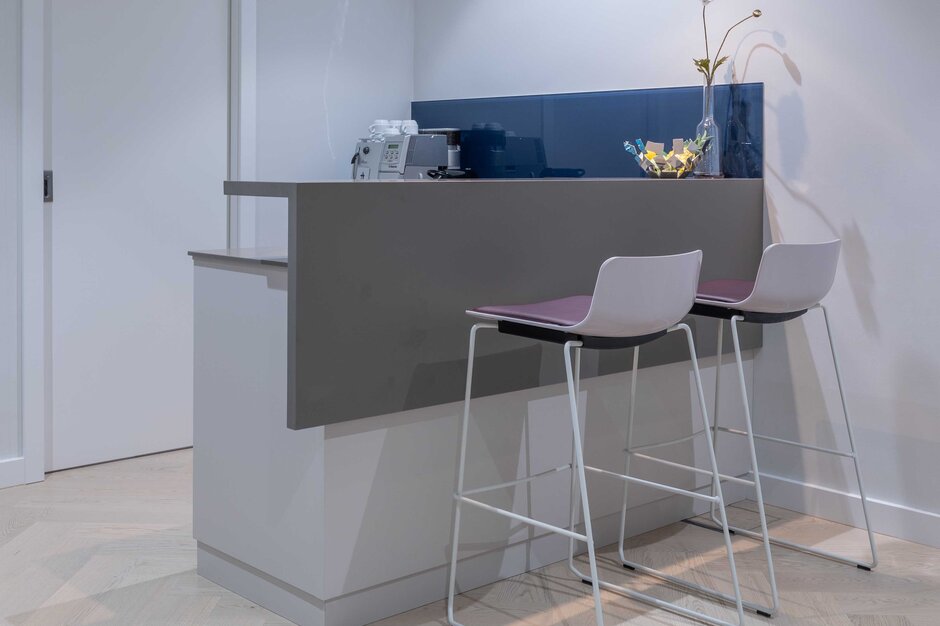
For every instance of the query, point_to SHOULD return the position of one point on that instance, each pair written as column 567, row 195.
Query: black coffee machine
column 489, row 151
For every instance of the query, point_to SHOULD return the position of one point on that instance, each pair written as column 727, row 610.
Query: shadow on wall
column 792, row 68
column 440, row 382
column 407, row 501
column 791, row 120
column 855, row 256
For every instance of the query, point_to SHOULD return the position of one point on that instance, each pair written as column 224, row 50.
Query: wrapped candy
column 679, row 162
column 638, row 157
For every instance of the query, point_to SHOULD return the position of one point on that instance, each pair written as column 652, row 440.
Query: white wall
column 9, row 229
column 322, row 72
column 493, row 48
column 850, row 116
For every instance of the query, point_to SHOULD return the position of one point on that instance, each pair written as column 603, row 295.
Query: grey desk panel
column 259, row 189
column 381, row 273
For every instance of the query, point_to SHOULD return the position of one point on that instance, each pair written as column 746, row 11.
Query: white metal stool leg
column 716, row 476
column 461, row 464
column 573, row 491
column 715, row 413
column 579, row 469
column 852, row 454
column 848, row 427
column 752, row 452
column 718, row 498
column 627, row 457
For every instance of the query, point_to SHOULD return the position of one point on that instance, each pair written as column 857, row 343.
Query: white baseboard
column 12, row 472
column 887, row 518
column 254, row 585
column 428, row 586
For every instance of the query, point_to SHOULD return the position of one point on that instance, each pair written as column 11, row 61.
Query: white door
column 10, row 418
column 139, row 92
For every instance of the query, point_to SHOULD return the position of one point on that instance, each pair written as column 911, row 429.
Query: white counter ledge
column 260, row 256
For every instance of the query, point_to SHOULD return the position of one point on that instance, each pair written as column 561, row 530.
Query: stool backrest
column 793, row 276
column 636, row 296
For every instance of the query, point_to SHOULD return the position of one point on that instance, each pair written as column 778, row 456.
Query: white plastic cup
column 381, row 127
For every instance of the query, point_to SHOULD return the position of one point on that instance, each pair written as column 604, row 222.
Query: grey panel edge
column 258, row 189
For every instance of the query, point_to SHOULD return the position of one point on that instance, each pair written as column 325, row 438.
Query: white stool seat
column 726, row 292
column 559, row 314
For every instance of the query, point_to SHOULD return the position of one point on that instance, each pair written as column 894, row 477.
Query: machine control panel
column 392, row 155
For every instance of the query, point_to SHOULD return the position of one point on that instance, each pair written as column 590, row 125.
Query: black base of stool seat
column 557, row 336
column 724, row 313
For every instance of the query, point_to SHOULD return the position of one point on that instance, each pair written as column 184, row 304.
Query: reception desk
column 328, row 380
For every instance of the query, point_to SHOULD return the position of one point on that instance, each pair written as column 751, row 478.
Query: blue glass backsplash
column 582, row 134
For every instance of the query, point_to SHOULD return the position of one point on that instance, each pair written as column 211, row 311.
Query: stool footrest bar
column 697, row 470
column 663, row 444
column 520, row 481
column 523, row 519
column 654, row 485
column 787, row 442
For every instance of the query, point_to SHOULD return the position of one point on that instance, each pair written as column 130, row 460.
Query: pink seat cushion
column 563, row 312
column 727, row 291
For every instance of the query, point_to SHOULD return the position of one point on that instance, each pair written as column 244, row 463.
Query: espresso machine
column 399, row 156
column 453, row 144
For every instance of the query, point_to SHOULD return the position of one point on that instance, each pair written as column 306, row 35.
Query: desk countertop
column 260, row 256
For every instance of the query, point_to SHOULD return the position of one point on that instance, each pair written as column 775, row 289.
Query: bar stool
column 636, row 300
column 791, row 280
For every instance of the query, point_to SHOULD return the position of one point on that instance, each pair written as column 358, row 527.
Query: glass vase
column 710, row 164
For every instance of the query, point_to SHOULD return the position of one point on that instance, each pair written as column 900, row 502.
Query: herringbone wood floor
column 112, row 544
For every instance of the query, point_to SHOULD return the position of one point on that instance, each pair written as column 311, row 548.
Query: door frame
column 242, row 117
column 33, row 267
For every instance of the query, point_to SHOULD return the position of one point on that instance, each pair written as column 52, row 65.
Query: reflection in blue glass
column 582, row 134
